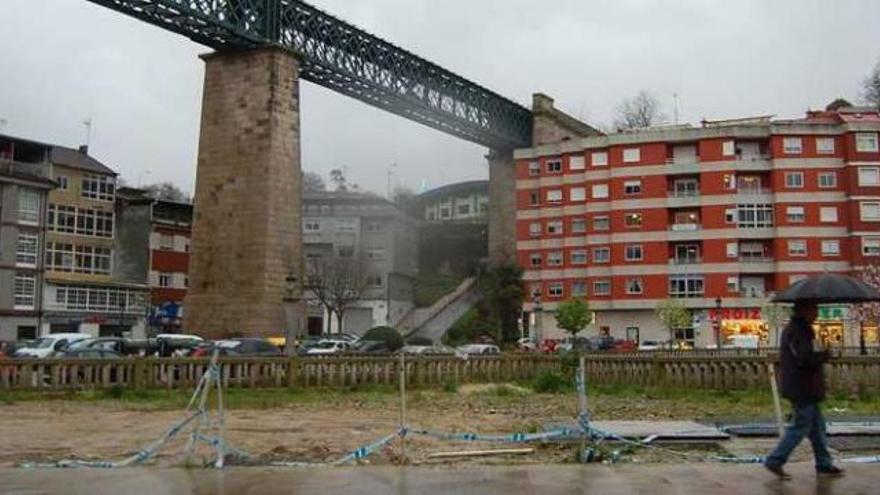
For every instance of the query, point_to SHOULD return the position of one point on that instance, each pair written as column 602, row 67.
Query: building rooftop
column 69, row 157
column 456, row 188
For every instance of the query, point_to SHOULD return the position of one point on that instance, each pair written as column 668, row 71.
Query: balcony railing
column 753, row 190
column 684, row 194
column 684, row 227
column 10, row 167
column 685, row 261
column 755, row 259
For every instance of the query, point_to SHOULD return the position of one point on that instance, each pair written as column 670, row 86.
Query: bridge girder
column 346, row 59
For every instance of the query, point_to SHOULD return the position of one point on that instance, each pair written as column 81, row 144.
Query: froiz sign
column 736, row 313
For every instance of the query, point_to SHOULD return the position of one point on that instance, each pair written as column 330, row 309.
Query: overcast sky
column 62, row 61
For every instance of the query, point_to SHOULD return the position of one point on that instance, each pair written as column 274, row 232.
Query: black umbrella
column 829, row 288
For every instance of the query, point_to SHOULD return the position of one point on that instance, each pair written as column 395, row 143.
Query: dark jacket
column 801, row 369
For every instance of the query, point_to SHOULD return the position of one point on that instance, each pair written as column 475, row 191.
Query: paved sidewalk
column 697, row 479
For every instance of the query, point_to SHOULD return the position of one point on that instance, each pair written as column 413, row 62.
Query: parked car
column 50, row 344
column 479, row 349
column 86, row 353
column 370, row 347
column 249, row 347
column 428, row 350
column 651, row 345
column 526, row 345
column 600, row 342
column 7, row 348
column 624, row 346
column 347, row 337
column 549, row 345
column 327, row 347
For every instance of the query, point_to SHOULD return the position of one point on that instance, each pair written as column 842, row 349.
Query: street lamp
column 536, row 309
column 717, row 322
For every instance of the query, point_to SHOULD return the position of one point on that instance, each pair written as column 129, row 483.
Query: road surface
column 696, row 479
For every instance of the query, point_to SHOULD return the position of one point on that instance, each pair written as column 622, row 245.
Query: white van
column 50, row 344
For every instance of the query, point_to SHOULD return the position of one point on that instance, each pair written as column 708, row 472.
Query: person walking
column 803, row 384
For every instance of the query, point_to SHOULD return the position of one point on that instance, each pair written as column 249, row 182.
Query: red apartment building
column 170, row 235
column 720, row 216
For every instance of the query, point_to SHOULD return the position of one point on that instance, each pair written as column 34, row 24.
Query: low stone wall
column 845, row 374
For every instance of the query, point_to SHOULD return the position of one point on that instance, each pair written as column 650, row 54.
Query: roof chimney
column 84, row 149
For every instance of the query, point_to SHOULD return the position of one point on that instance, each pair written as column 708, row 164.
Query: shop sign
column 831, row 313
column 735, row 313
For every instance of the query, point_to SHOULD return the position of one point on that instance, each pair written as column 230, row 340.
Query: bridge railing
column 845, row 374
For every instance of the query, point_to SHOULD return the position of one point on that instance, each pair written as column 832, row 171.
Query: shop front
column 830, row 325
column 737, row 326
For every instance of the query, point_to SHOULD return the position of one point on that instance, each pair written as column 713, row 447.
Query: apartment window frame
column 553, row 195
column 463, row 209
column 534, row 168
column 728, row 148
column 795, row 214
column 867, row 138
column 867, row 206
column 632, row 154
column 633, row 220
column 27, row 247
column 578, row 288
column 632, row 188
column 827, row 180
column 556, row 289
column 63, row 182
column 578, row 257
column 535, row 229
column 633, row 252
column 602, row 255
column 312, row 226
column 870, row 246
column 535, row 198
column 797, row 248
column 830, row 247
column 166, row 279
column 24, row 291
column 600, row 191
column 99, row 187
column 29, row 202
column 577, row 162
column 555, row 227
column 602, row 287
column 599, row 158
column 794, row 180
column 536, row 259
column 754, row 215
column 635, row 286
column 602, row 223
column 577, row 194
column 578, row 225
column 826, row 215
column 871, row 176
column 555, row 258
column 825, row 145
column 792, row 145
column 687, row 285
column 554, row 166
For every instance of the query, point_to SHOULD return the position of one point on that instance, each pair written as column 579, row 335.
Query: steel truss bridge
column 346, row 59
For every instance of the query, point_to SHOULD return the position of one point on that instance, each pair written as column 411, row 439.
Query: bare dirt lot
column 323, row 425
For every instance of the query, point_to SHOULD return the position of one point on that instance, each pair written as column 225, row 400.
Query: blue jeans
column 808, row 420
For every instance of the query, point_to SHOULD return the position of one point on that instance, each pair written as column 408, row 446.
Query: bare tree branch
column 643, row 110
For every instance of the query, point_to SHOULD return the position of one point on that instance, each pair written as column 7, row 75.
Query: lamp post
column 717, row 322
column 536, row 309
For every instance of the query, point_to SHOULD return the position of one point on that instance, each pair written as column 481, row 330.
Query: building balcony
column 757, row 232
column 679, row 199
column 37, row 170
column 683, row 231
column 682, row 166
column 756, row 264
column 753, row 162
column 685, row 261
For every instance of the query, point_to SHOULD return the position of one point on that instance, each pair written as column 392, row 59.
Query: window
column 730, row 181
column 828, row 214
column 534, row 168
column 554, row 166
column 579, row 257
column 601, row 223
column 463, row 209
column 26, row 250
column 792, row 145
column 345, row 251
column 601, row 255
column 632, row 187
column 686, row 188
column 578, row 288
column 866, row 142
column 632, row 155
column 633, row 252
column 871, row 246
column 578, row 226
column 578, row 194
column 445, row 212
column 634, row 286
column 869, row 176
column 535, row 291
column 374, row 281
column 61, row 257
column 311, row 226
column 870, row 211
column 825, row 145
column 730, row 215
column 753, row 216
column 600, row 191
column 633, row 220
column 62, row 182
column 166, row 242
column 100, row 187
column 794, row 180
column 732, row 284
column 555, row 290
column 728, row 148
column 535, row 229
column 797, row 247
column 25, row 295
column 576, row 162
column 375, row 253
column 830, row 248
column 599, row 159
column 164, row 280
column 534, row 198
column 732, row 249
column 795, row 214
column 374, row 227
column 685, row 285
column 28, row 206
column 554, row 227
column 554, row 195
column 80, row 221
column 535, row 259
column 827, row 180
column 554, row 258
column 602, row 287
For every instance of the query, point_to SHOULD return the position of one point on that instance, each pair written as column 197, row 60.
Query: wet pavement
column 702, row 479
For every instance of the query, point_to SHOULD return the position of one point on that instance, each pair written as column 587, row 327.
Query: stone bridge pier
column 245, row 268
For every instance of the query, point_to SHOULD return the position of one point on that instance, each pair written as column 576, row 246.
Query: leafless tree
column 871, row 87
column 867, row 314
column 640, row 111
column 166, row 191
column 336, row 281
column 312, row 181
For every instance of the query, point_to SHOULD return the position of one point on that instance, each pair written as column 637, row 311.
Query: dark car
column 371, row 347
column 247, row 347
column 601, row 343
column 88, row 354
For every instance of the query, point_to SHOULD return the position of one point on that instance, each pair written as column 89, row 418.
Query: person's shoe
column 831, row 471
column 778, row 471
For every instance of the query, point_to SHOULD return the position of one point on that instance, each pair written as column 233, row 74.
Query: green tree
column 504, row 290
column 573, row 316
column 673, row 316
column 775, row 315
